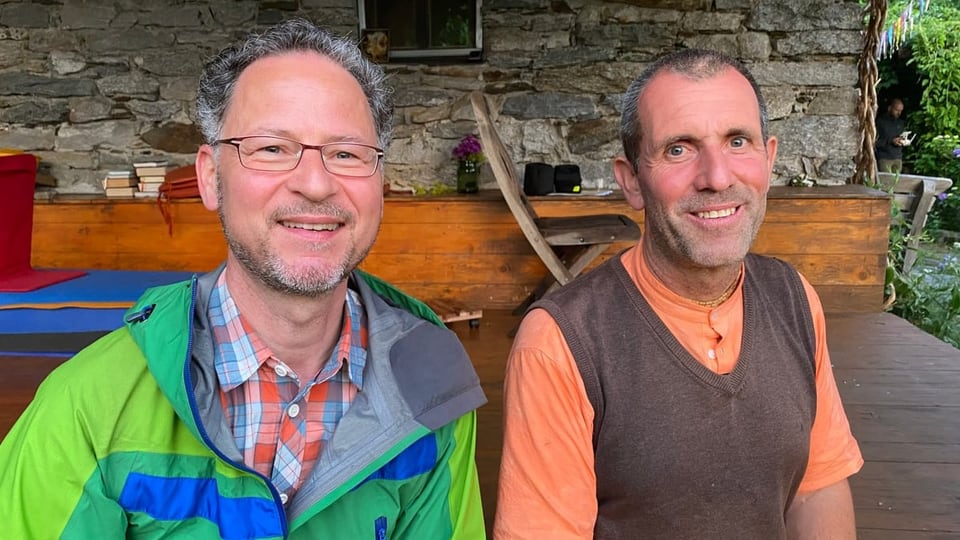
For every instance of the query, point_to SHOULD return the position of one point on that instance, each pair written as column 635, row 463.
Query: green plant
column 929, row 297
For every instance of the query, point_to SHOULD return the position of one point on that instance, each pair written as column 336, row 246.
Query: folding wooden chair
column 914, row 195
column 566, row 245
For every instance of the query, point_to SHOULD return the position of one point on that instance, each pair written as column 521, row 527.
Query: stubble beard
column 697, row 250
column 265, row 265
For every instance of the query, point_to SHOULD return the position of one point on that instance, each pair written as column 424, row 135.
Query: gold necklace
column 720, row 299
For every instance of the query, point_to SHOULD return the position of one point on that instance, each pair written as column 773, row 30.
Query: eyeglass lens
column 277, row 154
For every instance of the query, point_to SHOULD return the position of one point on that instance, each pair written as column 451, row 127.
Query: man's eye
column 738, row 142
column 343, row 154
column 675, row 150
column 269, row 150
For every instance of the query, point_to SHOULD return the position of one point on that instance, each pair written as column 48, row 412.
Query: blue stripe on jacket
column 177, row 499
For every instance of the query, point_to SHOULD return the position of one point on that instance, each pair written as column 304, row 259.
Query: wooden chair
column 566, row 245
column 914, row 195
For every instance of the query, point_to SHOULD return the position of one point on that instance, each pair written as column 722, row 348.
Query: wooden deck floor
column 900, row 386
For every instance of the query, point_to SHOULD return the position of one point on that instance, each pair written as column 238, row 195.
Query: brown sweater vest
column 682, row 452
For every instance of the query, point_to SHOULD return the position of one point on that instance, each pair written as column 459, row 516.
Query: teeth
column 713, row 214
column 311, row 226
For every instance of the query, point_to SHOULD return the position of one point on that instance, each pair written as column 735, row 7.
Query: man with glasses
column 285, row 394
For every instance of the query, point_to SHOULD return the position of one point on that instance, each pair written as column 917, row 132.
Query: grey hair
column 696, row 64
column 219, row 77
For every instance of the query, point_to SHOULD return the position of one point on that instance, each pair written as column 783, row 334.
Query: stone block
column 33, row 111
column 725, row 43
column 420, row 96
column 820, row 73
column 28, row 138
column 816, row 136
column 128, row 84
column 14, row 83
column 25, row 15
column 835, row 101
column 704, row 21
column 820, row 42
column 67, row 62
column 177, row 17
column 549, row 105
column 177, row 62
column 178, row 88
column 175, row 137
column 590, row 135
column 779, row 16
column 153, row 111
column 588, row 79
column 574, row 56
column 780, row 100
column 734, row 5
column 753, row 46
column 133, row 40
column 118, row 134
column 91, row 109
column 234, row 14
column 515, row 4
column 86, row 15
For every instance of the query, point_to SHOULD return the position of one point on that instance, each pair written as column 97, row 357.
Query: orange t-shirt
column 547, row 478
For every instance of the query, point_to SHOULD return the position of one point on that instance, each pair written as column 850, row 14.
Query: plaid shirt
column 278, row 424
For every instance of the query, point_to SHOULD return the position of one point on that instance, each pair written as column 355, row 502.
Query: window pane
column 452, row 23
column 424, row 24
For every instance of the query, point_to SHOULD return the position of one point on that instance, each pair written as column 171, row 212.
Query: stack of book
column 120, row 184
column 150, row 175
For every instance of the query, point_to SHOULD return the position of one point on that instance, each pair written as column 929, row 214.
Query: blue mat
column 77, row 320
column 98, row 286
column 32, row 321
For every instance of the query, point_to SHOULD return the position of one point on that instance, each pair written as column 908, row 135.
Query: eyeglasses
column 261, row 153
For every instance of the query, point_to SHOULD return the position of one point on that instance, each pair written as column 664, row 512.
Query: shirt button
column 283, row 498
column 293, row 411
column 280, row 370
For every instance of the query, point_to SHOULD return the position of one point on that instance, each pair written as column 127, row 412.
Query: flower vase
column 467, row 173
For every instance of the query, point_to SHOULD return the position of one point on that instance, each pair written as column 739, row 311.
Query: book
column 120, row 174
column 109, row 182
column 152, row 171
column 120, row 192
column 145, row 164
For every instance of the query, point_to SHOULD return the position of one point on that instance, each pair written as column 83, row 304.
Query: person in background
column 285, row 394
column 889, row 143
column 682, row 389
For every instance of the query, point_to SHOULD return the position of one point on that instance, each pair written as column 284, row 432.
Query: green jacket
column 128, row 438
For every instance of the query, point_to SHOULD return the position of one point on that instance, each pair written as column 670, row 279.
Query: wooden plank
column 887, row 534
column 908, row 496
column 930, row 423
column 910, row 452
column 898, row 386
column 853, row 339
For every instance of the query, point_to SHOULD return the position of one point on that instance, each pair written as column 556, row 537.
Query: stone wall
column 93, row 85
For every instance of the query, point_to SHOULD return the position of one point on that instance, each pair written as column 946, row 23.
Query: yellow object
column 14, row 152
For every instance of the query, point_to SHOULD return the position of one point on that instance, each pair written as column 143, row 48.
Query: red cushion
column 17, row 178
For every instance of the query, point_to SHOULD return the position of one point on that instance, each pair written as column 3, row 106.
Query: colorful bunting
column 900, row 28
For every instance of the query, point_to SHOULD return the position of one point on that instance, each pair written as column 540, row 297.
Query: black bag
column 566, row 178
column 537, row 179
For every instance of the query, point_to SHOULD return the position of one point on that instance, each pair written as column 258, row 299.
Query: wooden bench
column 468, row 249
column 914, row 195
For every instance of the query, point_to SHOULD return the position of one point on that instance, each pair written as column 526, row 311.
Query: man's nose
column 714, row 173
column 311, row 177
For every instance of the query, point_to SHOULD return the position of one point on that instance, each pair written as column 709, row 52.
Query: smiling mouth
column 311, row 226
column 715, row 214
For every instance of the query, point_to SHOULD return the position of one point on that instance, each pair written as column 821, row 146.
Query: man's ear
column 207, row 176
column 771, row 153
column 629, row 183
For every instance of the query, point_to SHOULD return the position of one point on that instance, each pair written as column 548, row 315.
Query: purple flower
column 956, row 152
column 943, row 196
column 469, row 148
